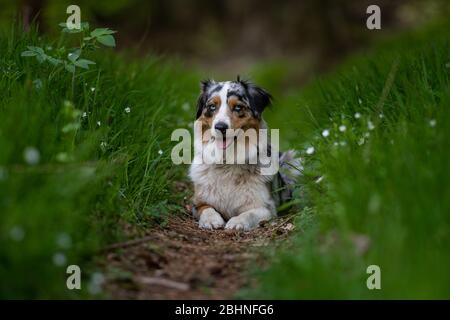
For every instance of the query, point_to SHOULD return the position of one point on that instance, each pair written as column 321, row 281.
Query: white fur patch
column 210, row 219
column 222, row 113
column 249, row 220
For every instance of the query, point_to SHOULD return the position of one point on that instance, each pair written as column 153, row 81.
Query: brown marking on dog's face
column 207, row 116
column 206, row 125
column 241, row 115
column 243, row 118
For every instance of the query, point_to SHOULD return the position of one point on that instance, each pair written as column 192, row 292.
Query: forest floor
column 181, row 261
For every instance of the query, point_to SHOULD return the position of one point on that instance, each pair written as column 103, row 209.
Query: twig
column 163, row 282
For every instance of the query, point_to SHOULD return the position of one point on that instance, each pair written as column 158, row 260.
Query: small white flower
column 359, row 101
column 342, row 128
column 99, row 123
column 432, row 123
column 37, row 84
column 64, row 240
column 95, row 283
column 367, row 134
column 374, row 204
column 63, row 157
column 31, row 155
column 381, row 116
column 185, row 106
column 370, row 125
column 310, row 150
column 97, row 278
column 160, row 152
column 127, row 109
column 59, row 259
column 325, row 133
column 357, row 115
column 17, row 233
column 92, row 89
column 361, row 141
column 103, row 145
column 94, row 289
column 84, row 115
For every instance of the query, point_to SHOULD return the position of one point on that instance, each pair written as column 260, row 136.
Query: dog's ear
column 204, row 87
column 259, row 97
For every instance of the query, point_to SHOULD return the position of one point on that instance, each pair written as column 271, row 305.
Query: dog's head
column 230, row 105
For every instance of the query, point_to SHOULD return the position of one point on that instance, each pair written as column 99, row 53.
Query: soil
column 181, row 261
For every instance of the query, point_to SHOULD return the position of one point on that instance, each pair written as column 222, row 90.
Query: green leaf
column 101, row 32
column 107, row 40
column 74, row 55
column 28, row 53
column 36, row 49
column 54, row 61
column 69, row 67
column 41, row 58
column 83, row 63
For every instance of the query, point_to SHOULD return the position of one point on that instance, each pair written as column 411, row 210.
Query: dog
column 236, row 195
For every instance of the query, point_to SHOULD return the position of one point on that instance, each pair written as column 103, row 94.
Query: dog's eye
column 211, row 107
column 237, row 108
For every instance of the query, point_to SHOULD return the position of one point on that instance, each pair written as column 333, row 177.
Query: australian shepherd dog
column 235, row 192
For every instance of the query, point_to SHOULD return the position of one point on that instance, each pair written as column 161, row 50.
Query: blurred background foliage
column 228, row 36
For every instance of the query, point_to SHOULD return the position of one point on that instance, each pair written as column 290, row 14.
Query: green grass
column 89, row 178
column 388, row 185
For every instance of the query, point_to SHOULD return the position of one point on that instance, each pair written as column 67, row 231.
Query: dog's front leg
column 209, row 218
column 249, row 219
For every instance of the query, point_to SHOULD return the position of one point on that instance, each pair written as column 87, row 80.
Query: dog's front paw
column 239, row 223
column 210, row 219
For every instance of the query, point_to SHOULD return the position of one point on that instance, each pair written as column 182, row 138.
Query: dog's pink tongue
column 224, row 143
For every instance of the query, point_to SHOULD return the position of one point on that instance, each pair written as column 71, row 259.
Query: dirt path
column 181, row 261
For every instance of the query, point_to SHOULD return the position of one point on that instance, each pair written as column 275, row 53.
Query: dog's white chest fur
column 232, row 189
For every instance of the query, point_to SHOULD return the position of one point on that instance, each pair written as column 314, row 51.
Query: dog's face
column 230, row 105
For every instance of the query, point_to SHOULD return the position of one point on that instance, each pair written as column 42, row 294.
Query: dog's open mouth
column 225, row 142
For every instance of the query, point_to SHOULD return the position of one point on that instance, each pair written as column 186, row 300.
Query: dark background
column 228, row 36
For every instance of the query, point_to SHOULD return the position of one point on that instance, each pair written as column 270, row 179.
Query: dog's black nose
column 222, row 127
